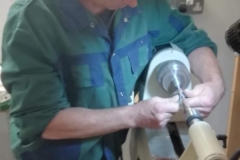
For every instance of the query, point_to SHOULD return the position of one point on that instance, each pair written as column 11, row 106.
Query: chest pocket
column 139, row 53
column 87, row 75
column 82, row 76
column 84, row 70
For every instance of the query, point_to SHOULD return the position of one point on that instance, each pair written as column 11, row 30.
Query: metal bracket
column 223, row 138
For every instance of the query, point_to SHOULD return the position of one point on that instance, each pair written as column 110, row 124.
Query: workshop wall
column 4, row 6
column 5, row 153
column 218, row 15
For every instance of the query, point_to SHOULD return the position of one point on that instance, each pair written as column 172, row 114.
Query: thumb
column 189, row 93
column 174, row 99
column 171, row 99
column 194, row 92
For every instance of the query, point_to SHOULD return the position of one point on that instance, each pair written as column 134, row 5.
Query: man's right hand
column 78, row 122
column 155, row 112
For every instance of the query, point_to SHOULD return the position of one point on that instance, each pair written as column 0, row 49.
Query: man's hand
column 78, row 122
column 155, row 112
column 204, row 97
column 205, row 67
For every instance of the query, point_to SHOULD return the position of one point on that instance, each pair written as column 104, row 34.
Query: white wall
column 4, row 6
column 5, row 153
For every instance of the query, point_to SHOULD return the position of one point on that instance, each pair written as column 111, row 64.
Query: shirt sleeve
column 179, row 29
column 30, row 75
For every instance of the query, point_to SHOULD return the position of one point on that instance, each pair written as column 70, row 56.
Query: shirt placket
column 117, row 72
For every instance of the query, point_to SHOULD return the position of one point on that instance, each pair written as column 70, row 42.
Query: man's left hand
column 204, row 97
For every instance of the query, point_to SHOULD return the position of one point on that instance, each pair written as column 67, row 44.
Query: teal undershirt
column 106, row 17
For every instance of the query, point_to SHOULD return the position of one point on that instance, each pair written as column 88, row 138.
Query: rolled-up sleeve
column 179, row 29
column 30, row 75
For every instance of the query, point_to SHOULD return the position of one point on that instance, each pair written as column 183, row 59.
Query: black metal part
column 232, row 37
column 175, row 138
column 236, row 155
column 223, row 138
column 192, row 117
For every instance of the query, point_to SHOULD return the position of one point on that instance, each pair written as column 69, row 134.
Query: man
column 71, row 66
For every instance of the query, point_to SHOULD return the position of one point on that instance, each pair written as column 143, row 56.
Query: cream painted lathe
column 168, row 74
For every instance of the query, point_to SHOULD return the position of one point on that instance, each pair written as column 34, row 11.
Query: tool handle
column 205, row 142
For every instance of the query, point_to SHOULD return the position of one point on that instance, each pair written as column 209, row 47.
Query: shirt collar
column 129, row 12
column 77, row 17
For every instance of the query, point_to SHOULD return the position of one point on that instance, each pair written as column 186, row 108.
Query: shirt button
column 125, row 20
column 113, row 54
column 92, row 25
column 121, row 94
column 141, row 41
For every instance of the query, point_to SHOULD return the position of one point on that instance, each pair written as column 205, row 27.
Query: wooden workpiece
column 233, row 142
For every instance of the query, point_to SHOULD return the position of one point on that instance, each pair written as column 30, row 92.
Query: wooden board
column 233, row 142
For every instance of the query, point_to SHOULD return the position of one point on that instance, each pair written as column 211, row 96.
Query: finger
column 202, row 110
column 167, row 107
column 163, row 119
column 174, row 99
column 163, row 116
column 193, row 102
column 189, row 93
column 172, row 108
column 164, row 122
column 204, row 115
column 171, row 99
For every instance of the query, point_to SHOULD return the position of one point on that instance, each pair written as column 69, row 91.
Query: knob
column 182, row 8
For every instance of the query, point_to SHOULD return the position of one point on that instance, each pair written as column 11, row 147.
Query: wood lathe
column 187, row 136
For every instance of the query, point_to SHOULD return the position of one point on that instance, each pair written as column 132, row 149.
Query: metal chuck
column 173, row 76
